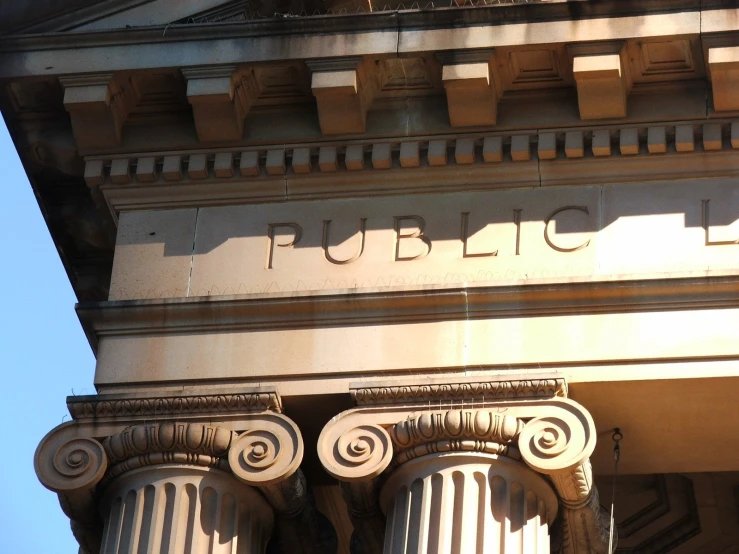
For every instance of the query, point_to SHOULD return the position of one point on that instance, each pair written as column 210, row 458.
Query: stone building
column 366, row 278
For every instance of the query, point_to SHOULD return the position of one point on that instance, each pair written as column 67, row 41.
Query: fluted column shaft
column 180, row 509
column 467, row 503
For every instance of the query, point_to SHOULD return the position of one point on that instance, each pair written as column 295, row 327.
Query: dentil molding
column 385, row 166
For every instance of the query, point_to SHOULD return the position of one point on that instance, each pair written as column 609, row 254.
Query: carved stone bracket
column 603, row 84
column 723, row 63
column 553, row 436
column 98, row 105
column 220, row 96
column 472, row 98
column 343, row 89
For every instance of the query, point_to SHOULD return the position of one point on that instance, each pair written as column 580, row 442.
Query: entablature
column 462, row 90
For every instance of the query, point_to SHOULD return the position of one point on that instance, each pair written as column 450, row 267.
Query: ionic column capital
column 259, row 449
column 553, row 436
column 110, row 438
column 527, row 421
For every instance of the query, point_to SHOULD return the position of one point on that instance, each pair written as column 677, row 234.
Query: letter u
column 326, row 240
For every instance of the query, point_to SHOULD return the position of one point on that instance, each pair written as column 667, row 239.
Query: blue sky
column 44, row 356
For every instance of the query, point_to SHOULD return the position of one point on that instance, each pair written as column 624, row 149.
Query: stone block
column 354, row 157
column 249, row 163
column 197, row 166
column 464, row 151
column 684, row 138
column 146, row 170
column 492, row 149
column 223, row 165
column 437, row 152
column 120, row 172
column 547, row 148
column 656, row 140
column 629, row 141
column 275, row 164
column 409, row 154
column 382, row 156
column 328, row 159
column 712, row 136
column 601, row 142
column 94, row 173
column 301, row 162
column 574, row 144
column 172, row 168
column 520, row 148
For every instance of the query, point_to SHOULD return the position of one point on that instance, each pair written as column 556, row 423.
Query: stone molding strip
column 258, row 312
column 136, row 406
column 382, row 154
column 369, row 394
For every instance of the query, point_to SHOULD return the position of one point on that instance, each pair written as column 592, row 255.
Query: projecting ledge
column 402, row 304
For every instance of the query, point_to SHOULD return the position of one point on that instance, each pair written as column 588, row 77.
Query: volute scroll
column 268, row 452
column 355, row 453
column 66, row 462
column 559, row 442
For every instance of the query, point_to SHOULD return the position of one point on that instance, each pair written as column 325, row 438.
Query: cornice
column 385, row 33
column 178, row 32
column 61, row 26
column 393, row 305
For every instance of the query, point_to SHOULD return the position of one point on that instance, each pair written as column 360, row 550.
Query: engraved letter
column 517, row 222
column 583, row 209
column 707, row 224
column 327, row 232
column 414, row 235
column 297, row 229
column 465, row 231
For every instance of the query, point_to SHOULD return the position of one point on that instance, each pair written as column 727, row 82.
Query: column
column 171, row 509
column 461, row 503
